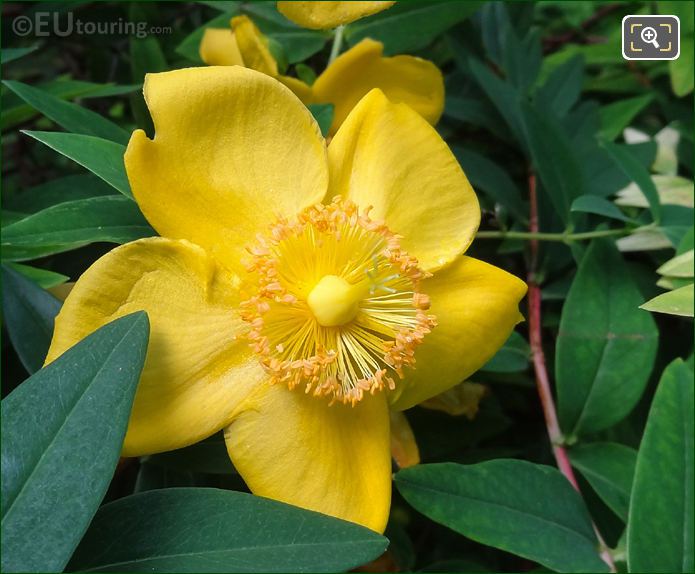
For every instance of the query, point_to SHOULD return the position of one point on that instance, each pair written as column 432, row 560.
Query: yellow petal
column 233, row 149
column 294, row 448
column 253, row 46
column 219, row 48
column 197, row 370
column 476, row 305
column 320, row 15
column 301, row 90
column 462, row 399
column 407, row 79
column 387, row 156
column 404, row 448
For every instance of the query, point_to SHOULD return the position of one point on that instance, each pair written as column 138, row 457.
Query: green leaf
column 69, row 188
column 70, row 116
column 323, row 114
column 660, row 530
column 102, row 157
column 681, row 69
column 634, row 170
column 563, row 87
column 513, row 357
column 476, row 111
column 600, row 328
column 210, row 530
column 527, row 509
column 62, row 433
column 609, row 468
column 410, row 26
column 680, row 266
column 503, row 96
column 493, row 180
column 599, row 206
column 42, row 277
column 15, row 111
column 617, row 116
column 676, row 302
column 28, row 312
column 554, row 158
column 8, row 55
column 114, row 219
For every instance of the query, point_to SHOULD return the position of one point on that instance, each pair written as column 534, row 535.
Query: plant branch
column 538, row 356
column 535, row 236
column 337, row 43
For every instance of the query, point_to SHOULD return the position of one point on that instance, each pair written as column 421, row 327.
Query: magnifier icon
column 648, row 36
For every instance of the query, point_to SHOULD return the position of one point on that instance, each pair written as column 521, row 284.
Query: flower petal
column 386, row 155
column 219, row 48
column 407, row 79
column 234, row 148
column 321, row 15
column 197, row 370
column 293, row 447
column 253, row 46
column 476, row 305
column 301, row 90
column 404, row 449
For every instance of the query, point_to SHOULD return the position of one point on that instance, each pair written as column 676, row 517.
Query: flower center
column 333, row 301
column 338, row 307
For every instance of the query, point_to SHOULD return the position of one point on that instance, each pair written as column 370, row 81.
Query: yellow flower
column 321, row 15
column 407, row 79
column 283, row 309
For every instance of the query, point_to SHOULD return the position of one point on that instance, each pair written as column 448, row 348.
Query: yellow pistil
column 338, row 307
column 333, row 301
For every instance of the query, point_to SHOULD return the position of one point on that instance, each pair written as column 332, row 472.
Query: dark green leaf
column 15, row 111
column 493, row 180
column 523, row 508
column 599, row 206
column 503, row 96
column 606, row 346
column 114, row 219
column 62, row 434
column 70, row 116
column 323, row 114
column 476, row 111
column 102, row 157
column 28, row 312
column 69, row 188
column 42, row 277
column 609, row 468
column 210, row 530
column 513, row 357
column 8, row 55
column 617, row 116
column 562, row 88
column 660, row 530
column 554, row 159
column 410, row 26
column 636, row 172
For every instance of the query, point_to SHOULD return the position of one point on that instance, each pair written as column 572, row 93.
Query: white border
column 622, row 34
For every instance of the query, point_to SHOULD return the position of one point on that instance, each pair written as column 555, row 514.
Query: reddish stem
column 539, row 366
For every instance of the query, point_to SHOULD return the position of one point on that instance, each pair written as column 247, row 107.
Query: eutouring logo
column 42, row 24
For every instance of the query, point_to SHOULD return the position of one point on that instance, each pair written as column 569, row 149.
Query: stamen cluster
column 341, row 362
